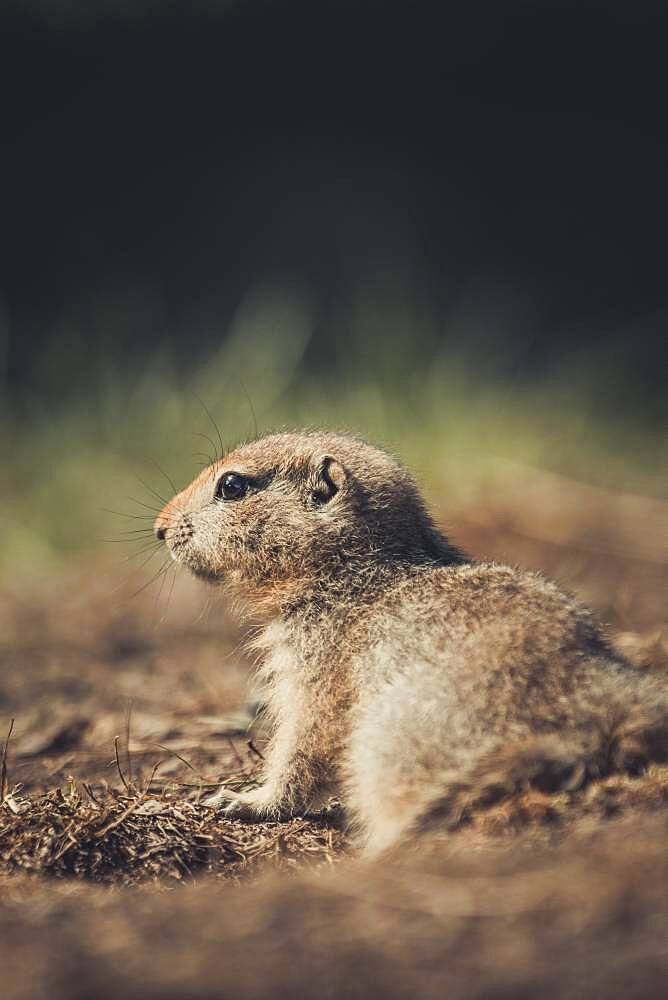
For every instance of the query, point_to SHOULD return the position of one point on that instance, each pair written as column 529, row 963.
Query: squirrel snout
column 160, row 526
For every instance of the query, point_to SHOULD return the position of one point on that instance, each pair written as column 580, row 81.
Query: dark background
column 162, row 158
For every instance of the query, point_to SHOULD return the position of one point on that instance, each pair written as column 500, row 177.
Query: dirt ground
column 115, row 879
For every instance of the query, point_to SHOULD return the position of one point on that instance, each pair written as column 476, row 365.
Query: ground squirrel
column 399, row 674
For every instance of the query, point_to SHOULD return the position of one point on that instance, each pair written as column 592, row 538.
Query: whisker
column 137, row 531
column 160, row 588
column 125, row 541
column 137, row 569
column 171, row 591
column 213, row 422
column 141, row 552
column 204, row 610
column 153, row 579
column 155, row 493
column 163, row 473
column 130, row 534
column 135, row 555
column 122, row 513
column 213, row 458
column 156, row 510
column 252, row 408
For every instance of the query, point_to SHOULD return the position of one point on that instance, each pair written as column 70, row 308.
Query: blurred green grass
column 75, row 456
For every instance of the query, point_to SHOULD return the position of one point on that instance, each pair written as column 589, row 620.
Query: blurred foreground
column 585, row 920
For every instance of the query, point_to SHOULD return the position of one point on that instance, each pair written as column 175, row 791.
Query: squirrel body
column 398, row 674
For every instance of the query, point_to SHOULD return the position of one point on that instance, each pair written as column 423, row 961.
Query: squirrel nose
column 160, row 526
column 162, row 523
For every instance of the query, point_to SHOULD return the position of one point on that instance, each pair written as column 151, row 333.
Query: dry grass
column 156, row 835
column 125, row 715
column 133, row 839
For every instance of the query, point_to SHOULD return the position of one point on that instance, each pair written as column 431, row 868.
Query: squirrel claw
column 234, row 805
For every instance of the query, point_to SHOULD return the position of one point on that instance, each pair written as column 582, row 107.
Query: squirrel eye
column 231, row 486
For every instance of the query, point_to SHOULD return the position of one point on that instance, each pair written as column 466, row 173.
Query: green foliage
column 69, row 461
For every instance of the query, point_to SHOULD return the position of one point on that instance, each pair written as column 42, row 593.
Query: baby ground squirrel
column 399, row 674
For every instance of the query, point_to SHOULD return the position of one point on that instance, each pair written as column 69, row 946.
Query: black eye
column 231, row 486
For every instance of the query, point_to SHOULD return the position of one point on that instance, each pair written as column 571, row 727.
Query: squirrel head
column 291, row 513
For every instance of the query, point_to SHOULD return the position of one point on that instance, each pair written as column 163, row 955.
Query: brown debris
column 112, row 837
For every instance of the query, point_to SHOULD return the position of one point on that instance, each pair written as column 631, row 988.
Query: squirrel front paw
column 255, row 806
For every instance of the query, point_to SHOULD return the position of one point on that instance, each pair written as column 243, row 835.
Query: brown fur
column 397, row 672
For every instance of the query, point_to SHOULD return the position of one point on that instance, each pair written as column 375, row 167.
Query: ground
column 116, row 879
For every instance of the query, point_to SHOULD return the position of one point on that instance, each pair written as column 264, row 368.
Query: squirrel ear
column 330, row 477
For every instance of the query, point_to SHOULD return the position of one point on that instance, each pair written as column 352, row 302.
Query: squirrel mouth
column 194, row 567
column 205, row 574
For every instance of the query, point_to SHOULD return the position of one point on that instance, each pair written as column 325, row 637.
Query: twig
column 118, row 765
column 148, row 784
column 90, row 793
column 3, row 766
column 235, row 751
column 128, row 720
column 188, row 764
column 254, row 749
column 128, row 812
column 178, row 755
column 208, row 783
